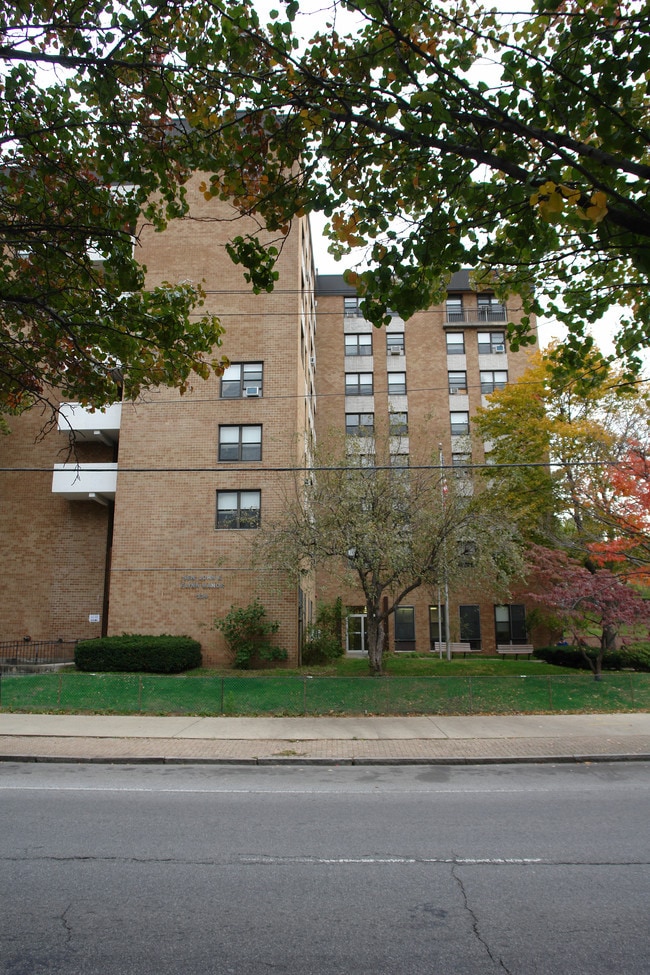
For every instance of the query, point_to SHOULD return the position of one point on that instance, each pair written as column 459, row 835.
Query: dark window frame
column 458, row 431
column 355, row 387
column 255, row 378
column 455, row 348
column 238, row 518
column 491, row 385
column 494, row 339
column 404, row 625
column 240, row 444
column 513, row 630
column 457, row 386
column 401, row 390
column 354, row 348
column 360, row 429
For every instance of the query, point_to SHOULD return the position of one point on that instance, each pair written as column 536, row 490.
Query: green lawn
column 412, row 686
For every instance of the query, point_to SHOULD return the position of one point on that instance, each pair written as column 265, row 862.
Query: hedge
column 633, row 657
column 135, row 653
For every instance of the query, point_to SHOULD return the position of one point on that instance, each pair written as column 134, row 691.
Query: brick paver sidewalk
column 276, row 751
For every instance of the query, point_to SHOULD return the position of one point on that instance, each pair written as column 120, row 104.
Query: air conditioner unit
column 252, row 391
column 396, row 351
column 453, row 390
column 312, row 359
column 499, row 348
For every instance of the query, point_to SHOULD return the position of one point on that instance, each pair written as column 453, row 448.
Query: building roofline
column 333, row 284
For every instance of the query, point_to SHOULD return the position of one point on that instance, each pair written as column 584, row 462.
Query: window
column 489, row 309
column 351, row 307
column 437, row 625
column 466, row 554
column 394, row 343
column 455, row 308
column 240, row 443
column 360, row 424
column 490, row 342
column 461, row 463
column 398, row 424
column 457, row 383
column 399, row 460
column 470, row 626
column 404, row 625
column 242, row 379
column 510, row 624
column 396, row 383
column 238, row 509
column 459, row 423
column 455, row 343
column 358, row 344
column 358, row 384
column 493, row 379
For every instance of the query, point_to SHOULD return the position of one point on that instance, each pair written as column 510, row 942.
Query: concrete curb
column 284, row 761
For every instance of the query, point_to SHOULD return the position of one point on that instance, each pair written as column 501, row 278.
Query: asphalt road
column 208, row 870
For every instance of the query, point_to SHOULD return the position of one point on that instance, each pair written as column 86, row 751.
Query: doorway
column 355, row 635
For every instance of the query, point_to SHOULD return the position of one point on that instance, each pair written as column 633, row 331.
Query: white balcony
column 85, row 482
column 101, row 425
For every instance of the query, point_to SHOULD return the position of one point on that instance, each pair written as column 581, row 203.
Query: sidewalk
column 356, row 740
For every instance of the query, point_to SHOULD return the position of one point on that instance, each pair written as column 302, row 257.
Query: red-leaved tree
column 627, row 516
column 585, row 602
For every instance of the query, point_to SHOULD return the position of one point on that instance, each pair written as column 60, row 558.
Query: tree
column 584, row 601
column 625, row 511
column 94, row 147
column 386, row 530
column 559, row 438
column 435, row 137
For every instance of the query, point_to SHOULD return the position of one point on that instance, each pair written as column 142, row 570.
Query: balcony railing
column 85, row 482
column 467, row 316
column 98, row 425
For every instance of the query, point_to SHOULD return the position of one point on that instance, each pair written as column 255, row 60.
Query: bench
column 516, row 648
column 463, row 648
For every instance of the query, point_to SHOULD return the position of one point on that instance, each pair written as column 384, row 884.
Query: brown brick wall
column 52, row 551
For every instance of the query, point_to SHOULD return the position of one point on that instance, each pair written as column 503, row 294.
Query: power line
column 313, row 469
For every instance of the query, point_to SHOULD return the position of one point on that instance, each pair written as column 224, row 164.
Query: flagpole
column 443, row 491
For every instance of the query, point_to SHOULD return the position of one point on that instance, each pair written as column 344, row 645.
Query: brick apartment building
column 148, row 529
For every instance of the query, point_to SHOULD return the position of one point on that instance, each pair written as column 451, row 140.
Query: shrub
column 247, row 631
column 635, row 657
column 323, row 642
column 135, row 653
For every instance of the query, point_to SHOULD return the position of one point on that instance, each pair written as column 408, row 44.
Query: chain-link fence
column 278, row 695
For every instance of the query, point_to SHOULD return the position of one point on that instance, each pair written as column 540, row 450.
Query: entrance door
column 355, row 634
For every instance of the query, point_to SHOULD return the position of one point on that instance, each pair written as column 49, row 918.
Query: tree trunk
column 376, row 641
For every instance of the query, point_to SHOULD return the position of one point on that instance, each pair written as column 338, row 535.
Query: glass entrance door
column 355, row 634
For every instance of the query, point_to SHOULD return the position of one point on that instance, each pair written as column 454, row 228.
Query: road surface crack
column 475, row 925
column 67, row 927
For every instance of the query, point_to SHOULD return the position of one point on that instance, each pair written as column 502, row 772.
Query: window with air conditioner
column 395, row 343
column 491, row 342
column 242, row 380
column 457, row 383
